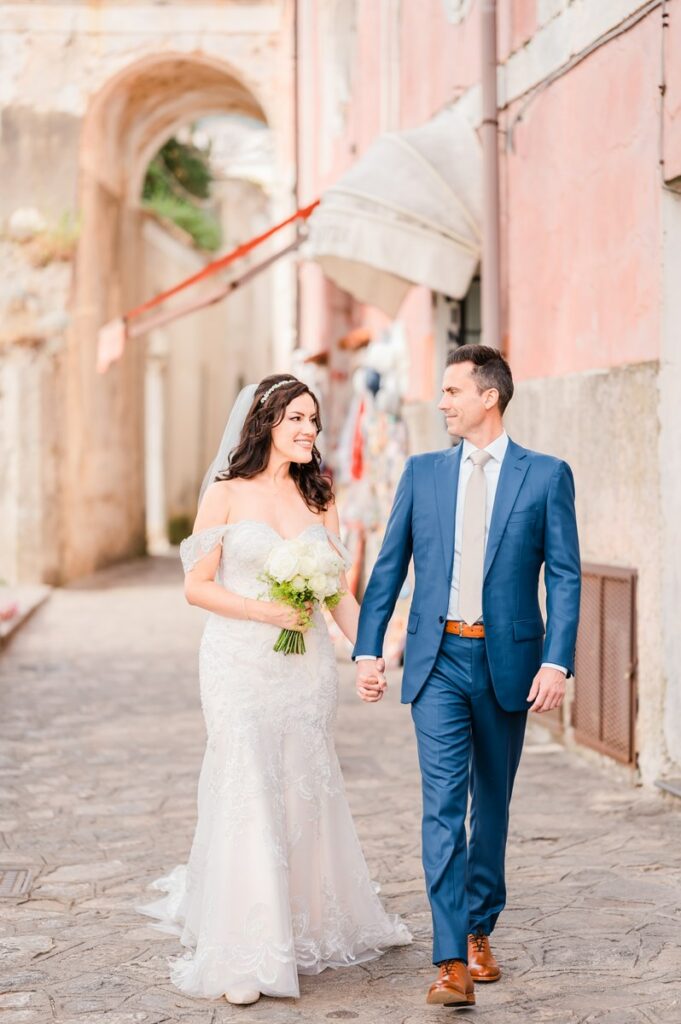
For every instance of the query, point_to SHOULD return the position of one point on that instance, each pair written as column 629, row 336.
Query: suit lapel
column 446, row 469
column 512, row 473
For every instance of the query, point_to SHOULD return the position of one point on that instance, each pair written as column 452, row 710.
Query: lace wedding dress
column 276, row 883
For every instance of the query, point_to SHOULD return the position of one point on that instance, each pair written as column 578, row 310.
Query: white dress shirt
column 497, row 449
column 492, row 468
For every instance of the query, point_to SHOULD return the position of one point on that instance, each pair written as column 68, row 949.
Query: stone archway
column 102, row 483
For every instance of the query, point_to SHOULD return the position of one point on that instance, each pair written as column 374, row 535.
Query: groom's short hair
column 490, row 370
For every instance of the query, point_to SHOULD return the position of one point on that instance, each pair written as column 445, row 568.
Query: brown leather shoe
column 454, row 986
column 481, row 960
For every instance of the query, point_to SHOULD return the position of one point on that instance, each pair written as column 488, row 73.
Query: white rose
column 328, row 562
column 318, row 584
column 307, row 565
column 318, row 551
column 298, row 583
column 283, row 563
column 332, row 586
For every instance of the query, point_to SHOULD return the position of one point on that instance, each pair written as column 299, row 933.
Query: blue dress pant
column 465, row 741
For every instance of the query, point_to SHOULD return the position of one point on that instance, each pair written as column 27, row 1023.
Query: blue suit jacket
column 533, row 523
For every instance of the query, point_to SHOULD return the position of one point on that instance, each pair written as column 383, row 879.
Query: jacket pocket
column 527, row 518
column 413, row 622
column 528, row 629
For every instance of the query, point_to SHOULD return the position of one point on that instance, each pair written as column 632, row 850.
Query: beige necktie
column 473, row 540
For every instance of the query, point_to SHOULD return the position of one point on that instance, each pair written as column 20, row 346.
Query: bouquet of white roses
column 300, row 573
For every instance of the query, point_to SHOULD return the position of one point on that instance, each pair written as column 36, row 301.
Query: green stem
column 290, row 641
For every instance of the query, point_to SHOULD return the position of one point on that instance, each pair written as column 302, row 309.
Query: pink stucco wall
column 516, row 24
column 364, row 111
column 439, row 61
column 580, row 191
column 672, row 100
column 582, row 216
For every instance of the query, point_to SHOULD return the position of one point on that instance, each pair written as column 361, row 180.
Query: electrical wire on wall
column 577, row 58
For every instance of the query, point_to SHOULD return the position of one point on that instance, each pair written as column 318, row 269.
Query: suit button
column 441, row 619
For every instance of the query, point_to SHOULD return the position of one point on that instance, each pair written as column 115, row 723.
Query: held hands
column 547, row 690
column 371, row 681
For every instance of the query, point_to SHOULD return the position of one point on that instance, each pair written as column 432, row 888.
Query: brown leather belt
column 474, row 632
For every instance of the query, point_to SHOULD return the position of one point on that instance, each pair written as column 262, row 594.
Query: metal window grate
column 604, row 708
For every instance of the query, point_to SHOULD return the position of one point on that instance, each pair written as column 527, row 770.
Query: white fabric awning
column 408, row 212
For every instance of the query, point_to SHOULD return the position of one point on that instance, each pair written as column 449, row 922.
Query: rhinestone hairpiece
column 274, row 387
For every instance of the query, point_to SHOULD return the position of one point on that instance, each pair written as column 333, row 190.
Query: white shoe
column 242, row 996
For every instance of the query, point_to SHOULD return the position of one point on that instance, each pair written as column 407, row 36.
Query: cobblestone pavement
column 101, row 743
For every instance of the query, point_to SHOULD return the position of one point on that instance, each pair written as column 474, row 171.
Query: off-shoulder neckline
column 261, row 522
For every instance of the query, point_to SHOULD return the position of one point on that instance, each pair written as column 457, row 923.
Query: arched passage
column 102, row 487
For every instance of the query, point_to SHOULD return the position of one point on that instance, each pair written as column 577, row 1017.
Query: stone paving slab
column 101, row 740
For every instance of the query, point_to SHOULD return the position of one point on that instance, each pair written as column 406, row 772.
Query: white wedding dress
column 276, row 883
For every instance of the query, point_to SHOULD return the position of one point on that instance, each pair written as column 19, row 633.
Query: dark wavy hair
column 252, row 453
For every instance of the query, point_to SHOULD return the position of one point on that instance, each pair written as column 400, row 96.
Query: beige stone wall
column 605, row 424
column 29, row 454
column 206, row 358
column 32, row 358
column 669, row 456
column 89, row 94
column 38, row 158
column 57, row 57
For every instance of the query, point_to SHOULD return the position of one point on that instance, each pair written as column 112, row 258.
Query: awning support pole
column 491, row 268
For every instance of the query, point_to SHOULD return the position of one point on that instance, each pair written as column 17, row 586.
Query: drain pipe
column 491, row 268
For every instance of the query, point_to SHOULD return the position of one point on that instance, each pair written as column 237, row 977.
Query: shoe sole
column 485, row 981
column 446, row 999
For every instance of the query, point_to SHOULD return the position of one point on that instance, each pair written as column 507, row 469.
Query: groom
column 479, row 521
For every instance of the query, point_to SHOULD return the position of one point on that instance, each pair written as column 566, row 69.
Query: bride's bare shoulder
column 330, row 516
column 215, row 505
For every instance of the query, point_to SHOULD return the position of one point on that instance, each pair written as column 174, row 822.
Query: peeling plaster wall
column 55, row 58
column 32, row 443
column 38, row 160
column 30, row 450
column 85, row 101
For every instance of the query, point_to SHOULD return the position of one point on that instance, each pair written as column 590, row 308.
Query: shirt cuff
column 550, row 664
column 366, row 657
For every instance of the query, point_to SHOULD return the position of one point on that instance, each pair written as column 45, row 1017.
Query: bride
column 276, row 884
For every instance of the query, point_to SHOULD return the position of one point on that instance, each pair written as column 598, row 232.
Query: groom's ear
column 490, row 398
